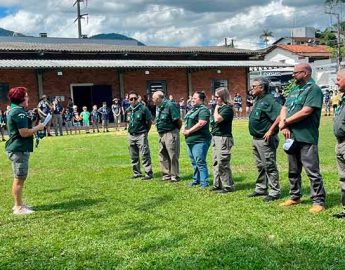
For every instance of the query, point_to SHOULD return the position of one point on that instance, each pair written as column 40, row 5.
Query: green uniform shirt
column 167, row 116
column 197, row 113
column 339, row 119
column 85, row 116
column 139, row 119
column 223, row 128
column 18, row 118
column 265, row 111
column 306, row 130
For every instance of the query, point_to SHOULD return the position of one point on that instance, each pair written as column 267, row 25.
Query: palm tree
column 266, row 34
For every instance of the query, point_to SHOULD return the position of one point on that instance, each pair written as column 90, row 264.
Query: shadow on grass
column 136, row 228
column 151, row 203
column 53, row 190
column 67, row 206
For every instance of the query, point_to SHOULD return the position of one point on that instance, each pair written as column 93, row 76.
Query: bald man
column 339, row 132
column 168, row 123
column 300, row 120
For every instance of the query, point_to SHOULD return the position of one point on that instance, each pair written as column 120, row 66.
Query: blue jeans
column 198, row 154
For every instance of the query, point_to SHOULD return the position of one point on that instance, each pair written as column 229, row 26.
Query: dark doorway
column 4, row 87
column 82, row 97
column 92, row 95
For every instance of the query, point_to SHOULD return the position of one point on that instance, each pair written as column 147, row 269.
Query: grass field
column 90, row 215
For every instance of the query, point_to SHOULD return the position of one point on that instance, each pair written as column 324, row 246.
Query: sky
column 168, row 22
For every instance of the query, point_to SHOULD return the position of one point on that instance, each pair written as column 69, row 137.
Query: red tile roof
column 307, row 50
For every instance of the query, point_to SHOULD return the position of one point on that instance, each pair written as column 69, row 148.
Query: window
column 4, row 87
column 219, row 83
column 153, row 86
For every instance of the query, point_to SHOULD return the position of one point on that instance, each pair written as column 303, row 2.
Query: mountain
column 115, row 36
column 7, row 33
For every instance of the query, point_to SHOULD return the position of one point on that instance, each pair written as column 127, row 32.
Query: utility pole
column 338, row 38
column 79, row 17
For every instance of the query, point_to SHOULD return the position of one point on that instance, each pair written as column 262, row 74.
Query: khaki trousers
column 340, row 154
column 222, row 174
column 139, row 144
column 265, row 158
column 169, row 154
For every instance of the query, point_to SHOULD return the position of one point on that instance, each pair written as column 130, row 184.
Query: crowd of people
column 204, row 125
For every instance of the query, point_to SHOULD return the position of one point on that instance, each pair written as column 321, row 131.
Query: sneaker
column 256, row 194
column 215, row 189
column 226, row 190
column 270, row 198
column 193, row 184
column 147, row 177
column 316, row 208
column 290, row 202
column 166, row 178
column 175, row 179
column 22, row 211
column 136, row 176
column 25, row 205
column 339, row 215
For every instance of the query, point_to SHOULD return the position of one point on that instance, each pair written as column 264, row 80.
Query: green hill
column 115, row 36
column 8, row 33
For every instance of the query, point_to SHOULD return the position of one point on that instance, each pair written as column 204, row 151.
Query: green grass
column 89, row 215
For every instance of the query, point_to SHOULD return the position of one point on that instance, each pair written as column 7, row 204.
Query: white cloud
column 167, row 22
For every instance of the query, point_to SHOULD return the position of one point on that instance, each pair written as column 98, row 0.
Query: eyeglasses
column 133, row 98
column 257, row 85
column 216, row 97
column 296, row 72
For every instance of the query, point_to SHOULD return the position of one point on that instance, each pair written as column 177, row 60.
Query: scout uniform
column 339, row 132
column 222, row 141
column 306, row 133
column 139, row 120
column 265, row 111
column 166, row 122
column 57, row 119
column 198, row 143
column 18, row 148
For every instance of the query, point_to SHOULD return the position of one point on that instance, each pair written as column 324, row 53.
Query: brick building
column 94, row 72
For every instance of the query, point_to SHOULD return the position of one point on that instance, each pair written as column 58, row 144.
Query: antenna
column 79, row 16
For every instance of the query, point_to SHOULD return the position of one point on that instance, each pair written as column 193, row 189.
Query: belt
column 256, row 138
column 340, row 140
column 136, row 134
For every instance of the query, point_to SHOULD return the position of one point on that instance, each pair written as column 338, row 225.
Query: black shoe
column 226, row 190
column 270, row 198
column 147, row 177
column 136, row 176
column 339, row 215
column 49, row 135
column 193, row 184
column 215, row 189
column 256, row 194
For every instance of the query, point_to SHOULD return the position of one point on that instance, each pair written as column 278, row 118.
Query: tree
column 266, row 34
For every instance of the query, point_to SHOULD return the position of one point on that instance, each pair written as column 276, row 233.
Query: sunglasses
column 133, row 98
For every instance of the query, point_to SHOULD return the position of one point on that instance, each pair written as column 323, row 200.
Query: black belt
column 340, row 140
column 256, row 138
column 136, row 134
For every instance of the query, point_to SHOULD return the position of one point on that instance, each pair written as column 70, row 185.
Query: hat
column 44, row 96
column 115, row 99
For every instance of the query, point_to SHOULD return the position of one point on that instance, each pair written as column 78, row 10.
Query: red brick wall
column 176, row 79
column 55, row 85
column 236, row 77
column 177, row 82
column 26, row 78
